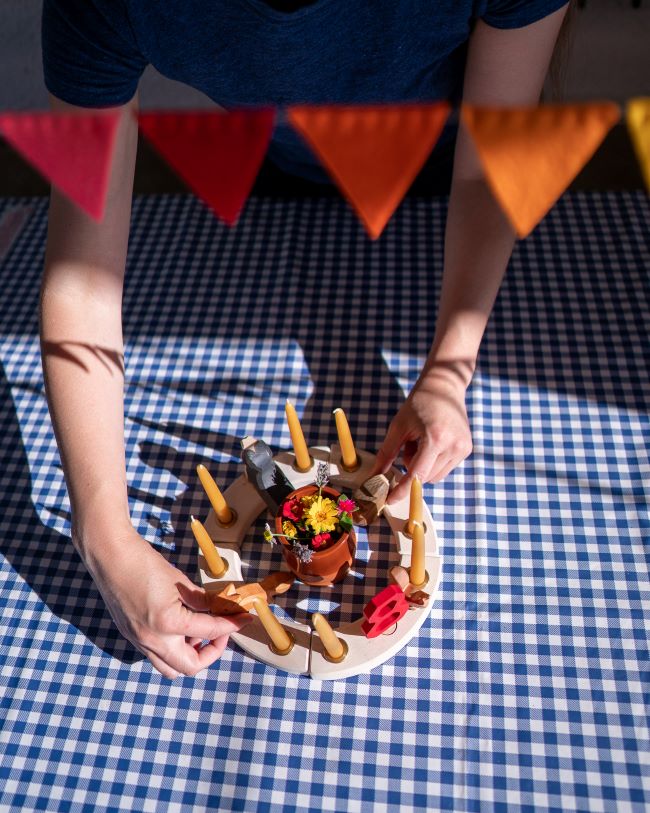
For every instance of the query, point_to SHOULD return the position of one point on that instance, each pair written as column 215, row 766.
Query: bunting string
column 529, row 155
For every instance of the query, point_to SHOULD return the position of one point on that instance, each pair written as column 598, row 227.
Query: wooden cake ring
column 365, row 647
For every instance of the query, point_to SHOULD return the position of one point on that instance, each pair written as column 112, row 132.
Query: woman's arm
column 81, row 343
column 504, row 68
column 151, row 602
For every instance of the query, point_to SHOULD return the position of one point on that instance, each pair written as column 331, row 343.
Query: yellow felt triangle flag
column 530, row 155
column 373, row 152
column 638, row 122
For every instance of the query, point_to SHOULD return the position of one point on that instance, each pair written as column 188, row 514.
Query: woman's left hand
column 432, row 428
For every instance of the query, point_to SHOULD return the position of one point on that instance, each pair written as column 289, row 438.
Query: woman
column 490, row 52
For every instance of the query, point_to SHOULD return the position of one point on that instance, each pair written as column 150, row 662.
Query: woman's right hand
column 155, row 606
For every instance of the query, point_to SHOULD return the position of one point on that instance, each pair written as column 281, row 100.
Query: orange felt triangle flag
column 373, row 152
column 73, row 151
column 530, row 155
column 218, row 154
column 638, row 122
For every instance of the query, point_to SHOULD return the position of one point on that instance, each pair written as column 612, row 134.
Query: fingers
column 175, row 648
column 421, row 465
column 192, row 596
column 190, row 660
column 207, row 655
column 164, row 668
column 389, row 449
column 210, row 627
column 187, row 656
column 408, row 452
column 442, row 468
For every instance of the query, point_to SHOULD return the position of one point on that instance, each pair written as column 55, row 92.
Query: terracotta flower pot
column 329, row 564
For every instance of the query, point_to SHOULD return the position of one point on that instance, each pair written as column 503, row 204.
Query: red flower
column 347, row 506
column 321, row 539
column 292, row 509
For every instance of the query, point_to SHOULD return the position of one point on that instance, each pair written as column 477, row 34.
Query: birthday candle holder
column 360, row 645
column 283, row 652
column 234, row 517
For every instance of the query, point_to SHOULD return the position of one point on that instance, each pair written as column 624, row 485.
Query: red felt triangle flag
column 372, row 152
column 217, row 154
column 531, row 154
column 73, row 151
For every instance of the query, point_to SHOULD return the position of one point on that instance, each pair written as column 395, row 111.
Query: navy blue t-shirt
column 246, row 52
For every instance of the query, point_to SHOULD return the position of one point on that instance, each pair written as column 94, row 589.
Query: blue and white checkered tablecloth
column 528, row 687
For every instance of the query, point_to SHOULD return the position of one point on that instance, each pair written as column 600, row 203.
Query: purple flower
column 302, row 552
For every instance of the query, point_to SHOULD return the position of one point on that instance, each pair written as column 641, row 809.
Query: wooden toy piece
column 415, row 504
column 417, row 573
column 277, row 583
column 216, row 564
column 370, row 499
column 303, row 460
column 246, row 504
column 397, row 514
column 367, row 653
column 230, row 555
column 346, row 480
column 237, row 598
column 254, row 640
column 334, row 649
column 286, row 460
column 268, row 479
column 383, row 611
column 230, row 602
column 281, row 642
column 217, row 501
column 400, row 576
column 307, row 654
column 432, row 565
column 349, row 459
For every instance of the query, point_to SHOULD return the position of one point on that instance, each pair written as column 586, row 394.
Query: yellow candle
column 417, row 574
column 217, row 500
column 303, row 459
column 216, row 564
column 281, row 642
column 415, row 506
column 333, row 646
column 348, row 452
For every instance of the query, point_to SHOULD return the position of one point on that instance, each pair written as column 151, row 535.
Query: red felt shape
column 217, row 154
column 372, row 152
column 73, row 151
column 383, row 611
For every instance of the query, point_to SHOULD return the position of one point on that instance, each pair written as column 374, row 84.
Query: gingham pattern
column 527, row 687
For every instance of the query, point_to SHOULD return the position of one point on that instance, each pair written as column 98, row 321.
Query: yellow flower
column 322, row 515
column 308, row 500
column 288, row 529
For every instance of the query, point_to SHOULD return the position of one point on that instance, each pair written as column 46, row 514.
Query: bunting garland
column 218, row 154
column 73, row 151
column 373, row 153
column 638, row 122
column 529, row 155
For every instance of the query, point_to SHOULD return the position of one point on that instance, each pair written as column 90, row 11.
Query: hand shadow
column 44, row 558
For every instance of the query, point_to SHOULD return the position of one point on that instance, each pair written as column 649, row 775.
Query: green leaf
column 345, row 520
